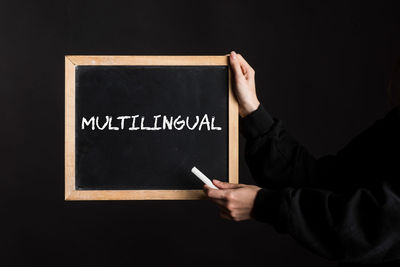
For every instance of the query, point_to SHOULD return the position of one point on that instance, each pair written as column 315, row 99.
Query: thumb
column 223, row 185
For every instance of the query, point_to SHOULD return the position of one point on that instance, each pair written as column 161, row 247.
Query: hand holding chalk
column 203, row 178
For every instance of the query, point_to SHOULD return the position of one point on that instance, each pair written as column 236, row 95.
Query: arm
column 275, row 159
column 359, row 226
column 359, row 223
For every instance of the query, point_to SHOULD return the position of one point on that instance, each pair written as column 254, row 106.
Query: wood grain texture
column 72, row 61
column 150, row 60
column 69, row 141
column 233, row 134
column 136, row 195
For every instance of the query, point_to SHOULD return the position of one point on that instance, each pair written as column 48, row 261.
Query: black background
column 140, row 159
column 321, row 66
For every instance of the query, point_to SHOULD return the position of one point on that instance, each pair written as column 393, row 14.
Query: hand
column 244, row 84
column 235, row 201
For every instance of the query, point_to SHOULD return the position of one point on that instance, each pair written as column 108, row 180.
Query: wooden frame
column 72, row 61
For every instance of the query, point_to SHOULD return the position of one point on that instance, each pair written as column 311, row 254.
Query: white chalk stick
column 203, row 178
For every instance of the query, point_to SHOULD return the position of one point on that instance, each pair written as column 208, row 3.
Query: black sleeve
column 361, row 226
column 275, row 159
column 344, row 207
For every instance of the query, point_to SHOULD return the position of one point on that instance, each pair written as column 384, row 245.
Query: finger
column 244, row 63
column 221, row 204
column 247, row 69
column 225, row 216
column 244, row 70
column 205, row 189
column 215, row 193
column 224, row 185
column 235, row 64
column 223, row 210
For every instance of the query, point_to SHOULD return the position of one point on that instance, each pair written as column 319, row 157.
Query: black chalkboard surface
column 139, row 129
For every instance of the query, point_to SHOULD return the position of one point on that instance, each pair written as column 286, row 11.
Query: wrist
column 256, row 124
column 248, row 108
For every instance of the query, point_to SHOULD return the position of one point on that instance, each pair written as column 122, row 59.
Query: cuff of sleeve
column 256, row 123
column 266, row 205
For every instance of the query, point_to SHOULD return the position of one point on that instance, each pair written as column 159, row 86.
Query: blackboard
column 136, row 125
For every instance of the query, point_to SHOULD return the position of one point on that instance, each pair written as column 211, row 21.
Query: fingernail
column 233, row 54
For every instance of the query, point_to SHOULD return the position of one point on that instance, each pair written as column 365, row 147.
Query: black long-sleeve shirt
column 344, row 207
